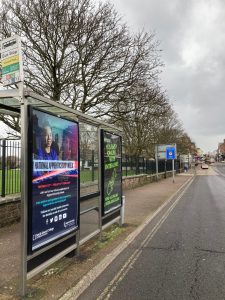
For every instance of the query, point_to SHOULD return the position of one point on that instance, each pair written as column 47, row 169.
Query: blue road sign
column 171, row 153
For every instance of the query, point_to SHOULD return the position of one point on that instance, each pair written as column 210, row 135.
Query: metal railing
column 131, row 165
column 9, row 166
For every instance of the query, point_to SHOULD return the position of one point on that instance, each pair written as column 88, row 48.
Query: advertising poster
column 112, row 171
column 54, row 178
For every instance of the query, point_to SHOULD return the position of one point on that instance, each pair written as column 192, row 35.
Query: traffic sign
column 171, row 153
column 160, row 150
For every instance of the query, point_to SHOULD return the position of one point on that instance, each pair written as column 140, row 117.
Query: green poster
column 112, row 171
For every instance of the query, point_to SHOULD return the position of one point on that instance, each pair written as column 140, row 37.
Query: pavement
column 143, row 201
column 68, row 275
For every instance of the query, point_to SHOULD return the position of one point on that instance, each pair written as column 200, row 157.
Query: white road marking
column 132, row 259
column 87, row 280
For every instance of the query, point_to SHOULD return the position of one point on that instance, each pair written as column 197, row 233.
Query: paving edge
column 87, row 279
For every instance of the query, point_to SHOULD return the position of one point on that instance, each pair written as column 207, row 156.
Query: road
column 220, row 168
column 179, row 255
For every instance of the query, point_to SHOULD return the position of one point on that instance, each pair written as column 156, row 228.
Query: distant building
column 221, row 149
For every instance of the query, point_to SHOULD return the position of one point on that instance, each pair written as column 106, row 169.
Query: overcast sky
column 192, row 37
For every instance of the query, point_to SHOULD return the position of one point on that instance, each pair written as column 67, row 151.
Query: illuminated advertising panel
column 53, row 177
column 111, row 171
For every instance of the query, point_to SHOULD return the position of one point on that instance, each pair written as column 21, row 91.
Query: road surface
column 179, row 255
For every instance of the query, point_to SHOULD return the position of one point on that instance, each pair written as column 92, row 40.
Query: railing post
column 146, row 165
column 3, row 167
column 136, row 162
column 93, row 164
column 165, row 168
column 126, row 164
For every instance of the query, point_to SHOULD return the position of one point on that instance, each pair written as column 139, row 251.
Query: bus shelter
column 71, row 170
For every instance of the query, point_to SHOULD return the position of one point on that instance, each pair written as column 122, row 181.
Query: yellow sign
column 10, row 61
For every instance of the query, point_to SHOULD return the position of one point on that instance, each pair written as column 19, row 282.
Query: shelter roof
column 11, row 101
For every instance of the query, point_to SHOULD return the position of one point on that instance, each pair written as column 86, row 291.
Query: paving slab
column 144, row 201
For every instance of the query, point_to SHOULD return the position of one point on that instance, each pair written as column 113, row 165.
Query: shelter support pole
column 173, row 170
column 156, row 163
column 122, row 211
column 3, row 167
column 24, row 195
column 100, row 182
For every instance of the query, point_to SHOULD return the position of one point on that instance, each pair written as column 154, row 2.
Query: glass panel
column 89, row 162
column 13, row 102
column 89, row 221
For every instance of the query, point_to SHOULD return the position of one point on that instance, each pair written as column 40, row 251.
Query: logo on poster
column 69, row 223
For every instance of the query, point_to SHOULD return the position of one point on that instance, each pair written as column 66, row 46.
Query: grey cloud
column 192, row 36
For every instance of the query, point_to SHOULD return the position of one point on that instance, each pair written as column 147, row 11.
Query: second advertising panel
column 111, row 171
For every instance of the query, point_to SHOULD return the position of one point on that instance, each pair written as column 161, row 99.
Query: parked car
column 204, row 166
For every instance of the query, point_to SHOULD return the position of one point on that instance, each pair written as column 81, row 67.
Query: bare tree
column 46, row 28
column 171, row 131
column 185, row 145
column 139, row 125
column 170, row 128
column 79, row 53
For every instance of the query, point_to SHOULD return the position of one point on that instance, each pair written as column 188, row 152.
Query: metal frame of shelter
column 15, row 102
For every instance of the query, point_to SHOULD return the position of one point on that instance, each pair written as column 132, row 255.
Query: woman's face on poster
column 47, row 135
